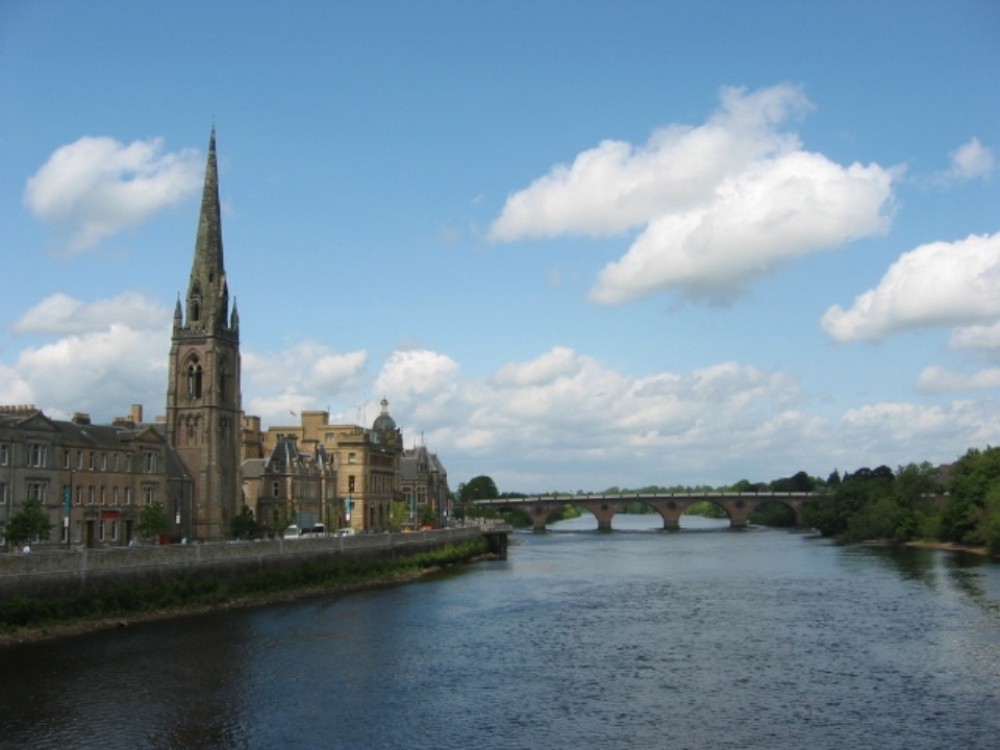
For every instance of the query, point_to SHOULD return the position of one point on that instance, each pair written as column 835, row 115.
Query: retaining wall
column 64, row 572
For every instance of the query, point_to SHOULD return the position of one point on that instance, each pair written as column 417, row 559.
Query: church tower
column 203, row 393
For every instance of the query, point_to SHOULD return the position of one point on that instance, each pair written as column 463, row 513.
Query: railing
column 639, row 496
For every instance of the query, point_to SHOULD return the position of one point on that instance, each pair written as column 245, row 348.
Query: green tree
column 29, row 523
column 244, row 525
column 428, row 516
column 399, row 514
column 152, row 521
column 478, row 488
column 972, row 516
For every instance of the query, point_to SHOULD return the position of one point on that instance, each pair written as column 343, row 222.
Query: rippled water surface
column 639, row 638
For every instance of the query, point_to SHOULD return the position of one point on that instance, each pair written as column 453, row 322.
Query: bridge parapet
column 739, row 506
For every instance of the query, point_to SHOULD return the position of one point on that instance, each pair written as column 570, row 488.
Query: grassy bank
column 25, row 618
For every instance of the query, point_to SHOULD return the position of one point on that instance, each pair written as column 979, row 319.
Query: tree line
column 957, row 503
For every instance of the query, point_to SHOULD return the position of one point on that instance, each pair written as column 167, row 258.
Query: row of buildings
column 204, row 460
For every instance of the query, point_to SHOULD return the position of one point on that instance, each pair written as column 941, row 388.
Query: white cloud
column 306, row 376
column 60, row 314
column 771, row 212
column 977, row 337
column 95, row 359
column 938, row 284
column 97, row 186
column 938, row 380
column 99, row 372
column 720, row 203
column 972, row 161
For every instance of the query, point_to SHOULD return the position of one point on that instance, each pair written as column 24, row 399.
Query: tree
column 152, row 521
column 478, row 488
column 244, row 525
column 31, row 522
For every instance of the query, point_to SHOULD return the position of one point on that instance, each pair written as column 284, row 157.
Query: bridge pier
column 603, row 512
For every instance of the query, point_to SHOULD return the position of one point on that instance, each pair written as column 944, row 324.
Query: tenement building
column 91, row 480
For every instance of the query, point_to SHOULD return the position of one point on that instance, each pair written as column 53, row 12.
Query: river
column 638, row 638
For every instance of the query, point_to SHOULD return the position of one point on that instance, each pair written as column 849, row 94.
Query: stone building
column 366, row 462
column 424, row 484
column 92, row 480
column 204, row 417
column 291, row 486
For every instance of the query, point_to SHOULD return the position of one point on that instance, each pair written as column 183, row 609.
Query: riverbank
column 951, row 547
column 82, row 626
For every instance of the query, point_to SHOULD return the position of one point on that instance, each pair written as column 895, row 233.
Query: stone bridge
column 739, row 506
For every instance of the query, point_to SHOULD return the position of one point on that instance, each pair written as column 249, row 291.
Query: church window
column 194, row 380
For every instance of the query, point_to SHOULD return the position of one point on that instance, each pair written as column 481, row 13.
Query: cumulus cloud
column 90, row 372
column 97, row 186
column 60, row 314
column 294, row 379
column 972, row 161
column 717, row 204
column 939, row 380
column 937, row 284
column 977, row 337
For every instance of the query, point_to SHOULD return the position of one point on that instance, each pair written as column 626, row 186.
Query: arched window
column 194, row 379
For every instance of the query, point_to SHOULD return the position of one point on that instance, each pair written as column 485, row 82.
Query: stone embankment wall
column 64, row 572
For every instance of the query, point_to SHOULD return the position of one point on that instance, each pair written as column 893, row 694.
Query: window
column 104, row 495
column 4, row 454
column 149, row 462
column 104, row 462
column 114, row 495
column 149, row 494
column 93, row 462
column 79, row 459
column 128, row 495
column 350, row 483
column 38, row 490
column 65, row 459
column 79, row 495
column 90, row 495
column 100, row 531
column 38, row 454
column 351, row 458
column 275, row 489
column 194, row 380
column 114, row 531
column 3, row 493
column 117, row 461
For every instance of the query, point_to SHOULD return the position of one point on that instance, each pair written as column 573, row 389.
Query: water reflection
column 765, row 639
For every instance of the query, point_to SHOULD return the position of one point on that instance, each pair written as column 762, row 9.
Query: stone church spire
column 208, row 290
column 204, row 411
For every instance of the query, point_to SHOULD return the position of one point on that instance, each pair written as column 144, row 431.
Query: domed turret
column 383, row 422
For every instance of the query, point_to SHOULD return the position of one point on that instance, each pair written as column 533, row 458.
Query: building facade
column 366, row 462
column 424, row 484
column 92, row 480
column 204, row 420
column 291, row 486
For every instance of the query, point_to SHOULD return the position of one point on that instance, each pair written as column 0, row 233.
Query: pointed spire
column 209, row 243
column 208, row 293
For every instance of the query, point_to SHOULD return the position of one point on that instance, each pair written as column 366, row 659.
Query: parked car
column 293, row 532
column 346, row 531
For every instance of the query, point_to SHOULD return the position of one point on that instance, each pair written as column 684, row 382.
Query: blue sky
column 574, row 244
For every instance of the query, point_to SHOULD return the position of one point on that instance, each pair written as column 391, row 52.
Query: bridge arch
column 738, row 506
